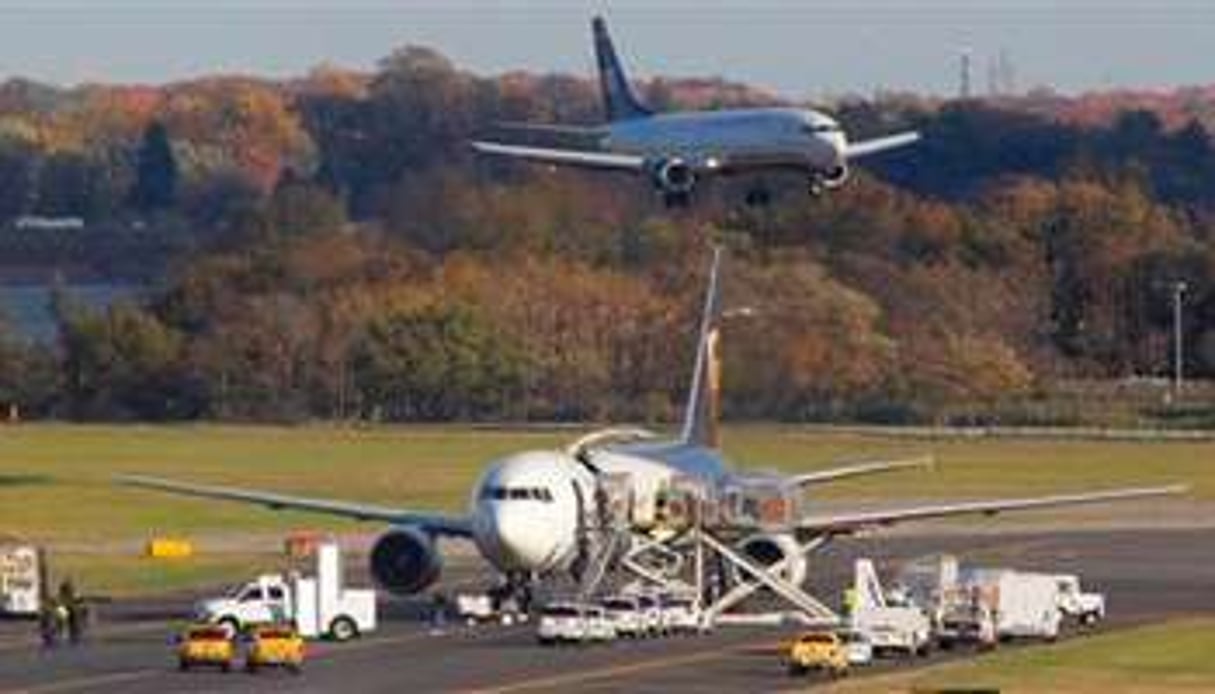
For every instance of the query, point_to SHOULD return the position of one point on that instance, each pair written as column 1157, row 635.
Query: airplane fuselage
column 736, row 139
column 527, row 508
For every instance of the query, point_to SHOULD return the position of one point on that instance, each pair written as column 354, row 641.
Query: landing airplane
column 676, row 149
column 528, row 511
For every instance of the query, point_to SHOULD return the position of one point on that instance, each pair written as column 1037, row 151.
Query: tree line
column 327, row 248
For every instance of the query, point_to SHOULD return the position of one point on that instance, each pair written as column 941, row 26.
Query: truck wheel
column 232, row 624
column 183, row 665
column 796, row 670
column 343, row 629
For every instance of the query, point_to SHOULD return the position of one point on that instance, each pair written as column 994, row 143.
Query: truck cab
column 1085, row 608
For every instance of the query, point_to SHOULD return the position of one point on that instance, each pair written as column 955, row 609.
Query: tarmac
column 1148, row 575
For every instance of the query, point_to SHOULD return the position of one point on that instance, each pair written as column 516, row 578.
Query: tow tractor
column 318, row 606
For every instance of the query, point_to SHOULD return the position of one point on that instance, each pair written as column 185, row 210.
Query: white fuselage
column 739, row 138
column 527, row 508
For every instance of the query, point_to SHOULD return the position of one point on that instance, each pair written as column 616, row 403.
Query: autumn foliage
column 327, row 247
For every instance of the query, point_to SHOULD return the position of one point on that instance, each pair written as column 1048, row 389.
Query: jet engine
column 674, row 177
column 405, row 560
column 836, row 177
column 767, row 550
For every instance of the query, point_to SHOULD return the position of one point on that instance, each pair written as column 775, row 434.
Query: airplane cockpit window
column 517, row 494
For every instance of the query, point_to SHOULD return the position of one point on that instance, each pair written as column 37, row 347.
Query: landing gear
column 517, row 589
column 758, row 196
column 676, row 200
column 817, row 186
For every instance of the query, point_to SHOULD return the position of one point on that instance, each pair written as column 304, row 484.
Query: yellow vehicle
column 274, row 646
column 205, row 644
column 818, row 650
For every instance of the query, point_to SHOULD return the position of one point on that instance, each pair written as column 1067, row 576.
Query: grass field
column 55, row 480
column 1173, row 657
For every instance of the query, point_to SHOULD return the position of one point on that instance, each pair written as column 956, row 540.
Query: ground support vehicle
column 679, row 615
column 22, row 579
column 888, row 627
column 629, row 617
column 205, row 644
column 966, row 623
column 817, row 650
column 1024, row 605
column 857, row 647
column 574, row 623
column 274, row 645
column 1077, row 605
column 318, row 606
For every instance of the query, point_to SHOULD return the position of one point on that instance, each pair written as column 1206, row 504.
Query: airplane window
column 517, row 494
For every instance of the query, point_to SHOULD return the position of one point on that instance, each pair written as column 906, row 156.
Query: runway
column 1148, row 575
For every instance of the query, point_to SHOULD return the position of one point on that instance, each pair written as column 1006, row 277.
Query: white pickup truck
column 318, row 606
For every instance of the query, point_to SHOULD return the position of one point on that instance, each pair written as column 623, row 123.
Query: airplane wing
column 864, row 148
column 846, row 523
column 569, row 157
column 440, row 524
column 860, row 469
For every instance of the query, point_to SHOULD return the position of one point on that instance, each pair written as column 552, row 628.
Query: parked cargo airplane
column 675, row 149
column 528, row 510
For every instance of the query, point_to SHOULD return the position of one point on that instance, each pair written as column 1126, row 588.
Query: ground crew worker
column 77, row 619
column 47, row 627
column 61, row 619
column 438, row 614
column 850, row 599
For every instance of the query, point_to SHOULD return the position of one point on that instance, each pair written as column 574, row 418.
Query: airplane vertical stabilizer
column 700, row 424
column 619, row 100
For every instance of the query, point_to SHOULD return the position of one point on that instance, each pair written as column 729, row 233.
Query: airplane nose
column 520, row 540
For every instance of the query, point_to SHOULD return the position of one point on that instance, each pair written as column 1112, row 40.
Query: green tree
column 122, row 363
column 17, row 166
column 155, row 170
column 437, row 362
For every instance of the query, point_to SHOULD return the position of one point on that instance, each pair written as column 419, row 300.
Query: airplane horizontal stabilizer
column 861, row 469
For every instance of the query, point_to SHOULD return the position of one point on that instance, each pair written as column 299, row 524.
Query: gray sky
column 802, row 49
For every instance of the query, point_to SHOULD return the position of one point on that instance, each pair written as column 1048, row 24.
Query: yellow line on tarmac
column 564, row 680
column 106, row 680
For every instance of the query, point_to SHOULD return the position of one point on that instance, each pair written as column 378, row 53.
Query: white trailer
column 318, row 606
column 886, row 626
column 1024, row 605
column 21, row 586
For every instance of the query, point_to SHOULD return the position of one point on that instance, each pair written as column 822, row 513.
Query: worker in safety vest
column 850, row 601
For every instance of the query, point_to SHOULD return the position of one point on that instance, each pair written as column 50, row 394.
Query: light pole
column 1179, row 289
